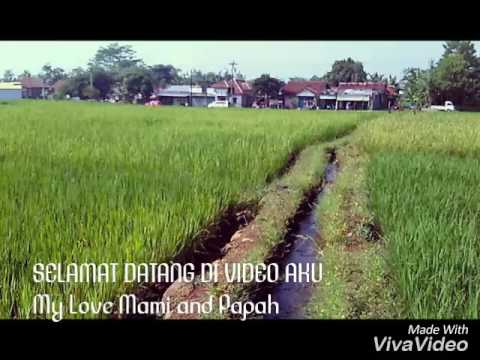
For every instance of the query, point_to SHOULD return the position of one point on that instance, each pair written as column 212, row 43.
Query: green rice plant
column 423, row 182
column 445, row 133
column 87, row 182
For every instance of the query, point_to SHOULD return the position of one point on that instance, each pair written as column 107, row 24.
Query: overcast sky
column 282, row 59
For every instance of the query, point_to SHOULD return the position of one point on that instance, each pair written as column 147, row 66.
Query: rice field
column 424, row 178
column 87, row 182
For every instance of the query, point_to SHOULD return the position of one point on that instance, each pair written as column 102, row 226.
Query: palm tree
column 376, row 77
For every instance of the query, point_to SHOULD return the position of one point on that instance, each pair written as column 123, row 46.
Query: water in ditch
column 292, row 297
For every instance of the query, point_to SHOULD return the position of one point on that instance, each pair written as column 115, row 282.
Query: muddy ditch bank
column 209, row 245
column 300, row 244
column 246, row 234
column 206, row 247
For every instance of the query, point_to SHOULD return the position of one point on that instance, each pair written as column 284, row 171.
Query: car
column 448, row 106
column 153, row 103
column 218, row 104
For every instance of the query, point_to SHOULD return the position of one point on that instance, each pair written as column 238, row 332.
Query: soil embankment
column 283, row 230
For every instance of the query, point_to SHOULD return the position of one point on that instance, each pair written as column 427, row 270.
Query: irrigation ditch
column 236, row 234
column 205, row 247
column 300, row 246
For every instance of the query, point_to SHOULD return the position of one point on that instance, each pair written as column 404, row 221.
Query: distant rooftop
column 10, row 85
column 183, row 91
column 295, row 87
column 33, row 82
column 240, row 87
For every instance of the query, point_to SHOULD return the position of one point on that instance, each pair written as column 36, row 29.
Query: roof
column 183, row 91
column 295, row 87
column 356, row 92
column 378, row 86
column 33, row 82
column 240, row 87
column 10, row 85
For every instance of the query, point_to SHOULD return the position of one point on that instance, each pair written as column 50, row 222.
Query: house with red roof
column 34, row 88
column 307, row 94
column 239, row 93
column 319, row 94
column 365, row 96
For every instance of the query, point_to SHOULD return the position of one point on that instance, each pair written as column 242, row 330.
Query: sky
column 281, row 59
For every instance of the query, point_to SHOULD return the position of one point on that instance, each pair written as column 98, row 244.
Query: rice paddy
column 423, row 178
column 101, row 183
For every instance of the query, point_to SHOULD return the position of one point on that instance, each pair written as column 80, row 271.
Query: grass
column 355, row 282
column 423, row 181
column 429, row 208
column 453, row 134
column 115, row 183
column 277, row 207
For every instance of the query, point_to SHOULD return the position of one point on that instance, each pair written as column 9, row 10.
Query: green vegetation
column 423, row 182
column 438, row 133
column 355, row 281
column 455, row 77
column 114, row 183
column 279, row 205
column 87, row 182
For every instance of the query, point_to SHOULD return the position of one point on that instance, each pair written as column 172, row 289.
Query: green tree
column 75, row 84
column 347, row 70
column 8, row 76
column 392, row 80
column 163, row 75
column 267, row 86
column 465, row 48
column 417, row 87
column 136, row 80
column 202, row 79
column 453, row 80
column 376, row 77
column 114, row 57
column 51, row 75
column 25, row 75
column 471, row 71
column 103, row 81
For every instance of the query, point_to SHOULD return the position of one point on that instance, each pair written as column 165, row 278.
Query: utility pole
column 232, row 64
column 206, row 94
column 191, row 90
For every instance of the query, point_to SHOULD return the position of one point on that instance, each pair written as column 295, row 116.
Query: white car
column 218, row 104
column 448, row 106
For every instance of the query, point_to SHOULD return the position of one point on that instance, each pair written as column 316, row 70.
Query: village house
column 239, row 93
column 318, row 94
column 34, row 88
column 305, row 94
column 365, row 96
column 185, row 95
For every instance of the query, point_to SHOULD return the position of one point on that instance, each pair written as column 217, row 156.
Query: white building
column 184, row 94
column 10, row 90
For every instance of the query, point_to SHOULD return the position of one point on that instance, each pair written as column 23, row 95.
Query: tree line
column 115, row 70
column 455, row 77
